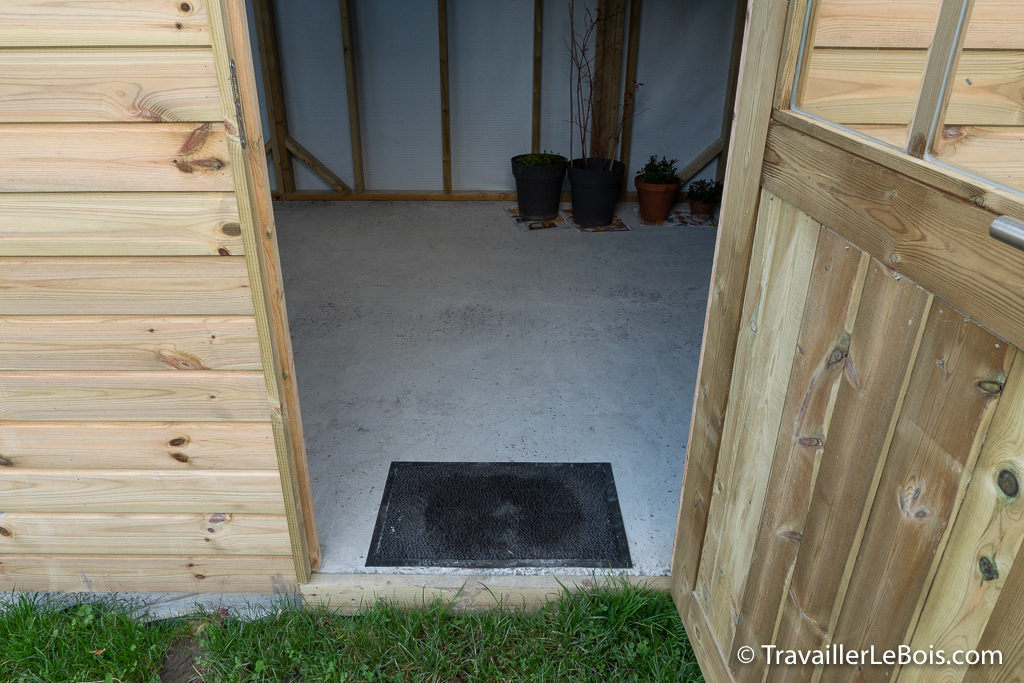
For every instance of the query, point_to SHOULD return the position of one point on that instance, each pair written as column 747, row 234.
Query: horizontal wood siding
column 137, row 447
column 79, row 343
column 122, row 224
column 126, row 84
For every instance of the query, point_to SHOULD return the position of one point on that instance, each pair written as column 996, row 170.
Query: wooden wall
column 868, row 59
column 137, row 449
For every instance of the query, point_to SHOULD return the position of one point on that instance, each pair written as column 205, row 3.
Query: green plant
column 704, row 191
column 545, row 158
column 661, row 172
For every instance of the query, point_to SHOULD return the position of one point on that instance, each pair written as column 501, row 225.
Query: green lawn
column 613, row 633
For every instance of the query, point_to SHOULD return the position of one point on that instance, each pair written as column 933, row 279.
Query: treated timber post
column 611, row 24
column 266, row 36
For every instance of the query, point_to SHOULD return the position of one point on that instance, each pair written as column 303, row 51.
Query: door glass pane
column 983, row 127
column 863, row 63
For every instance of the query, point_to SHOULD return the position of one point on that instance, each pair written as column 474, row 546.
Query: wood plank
column 708, row 651
column 854, row 87
column 698, row 163
column 137, row 446
column 128, row 343
column 990, row 524
column 1003, row 636
column 212, row 533
column 607, row 83
column 258, row 229
column 119, row 224
column 147, row 573
column 349, row 593
column 995, row 153
column 538, row 73
column 833, row 299
column 109, row 84
column 943, row 57
column 124, row 286
column 995, row 24
column 25, row 23
column 883, row 345
column 762, row 47
column 939, row 241
column 780, row 271
column 446, row 118
column 953, row 392
column 273, row 85
column 200, row 396
column 114, row 157
column 150, row 491
column 315, row 165
column 728, row 113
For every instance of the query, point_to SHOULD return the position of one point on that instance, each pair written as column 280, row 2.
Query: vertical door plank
column 762, row 46
column 883, row 346
column 1004, row 633
column 953, row 393
column 990, row 524
column 822, row 347
column 776, row 291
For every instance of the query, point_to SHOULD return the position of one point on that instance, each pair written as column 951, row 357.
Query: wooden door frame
column 233, row 60
column 769, row 63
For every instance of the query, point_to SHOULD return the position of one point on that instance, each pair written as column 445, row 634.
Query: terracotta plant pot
column 656, row 200
column 701, row 209
column 594, row 190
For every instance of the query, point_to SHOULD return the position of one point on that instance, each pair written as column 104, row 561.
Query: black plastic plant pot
column 539, row 189
column 594, row 190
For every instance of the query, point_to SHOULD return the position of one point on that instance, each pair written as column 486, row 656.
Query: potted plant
column 594, row 178
column 703, row 195
column 538, row 184
column 656, row 188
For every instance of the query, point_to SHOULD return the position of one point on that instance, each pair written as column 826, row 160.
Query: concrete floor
column 437, row 331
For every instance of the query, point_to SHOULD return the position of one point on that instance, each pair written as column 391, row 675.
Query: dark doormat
column 499, row 514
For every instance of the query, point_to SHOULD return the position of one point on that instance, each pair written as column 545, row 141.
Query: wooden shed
column 857, row 440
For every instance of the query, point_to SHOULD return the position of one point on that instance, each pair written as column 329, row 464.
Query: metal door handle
column 1009, row 230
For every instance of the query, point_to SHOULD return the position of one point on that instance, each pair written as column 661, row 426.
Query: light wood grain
column 973, row 189
column 124, row 286
column 1003, row 634
column 883, row 345
column 137, row 446
column 103, row 22
column 853, row 87
column 213, row 533
column 943, row 56
column 706, row 648
column 953, row 392
column 994, row 153
column 199, row 396
column 762, row 47
column 938, row 240
column 45, row 490
column 833, row 299
column 780, row 270
column 119, row 224
column 128, row 343
column 147, row 573
column 348, row 593
column 989, row 524
column 264, row 266
column 109, row 84
column 113, row 157
column 995, row 24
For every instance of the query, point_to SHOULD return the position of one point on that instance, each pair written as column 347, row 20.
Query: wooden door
column 149, row 427
column 857, row 442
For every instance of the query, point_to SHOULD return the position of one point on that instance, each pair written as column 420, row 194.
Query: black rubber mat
column 499, row 514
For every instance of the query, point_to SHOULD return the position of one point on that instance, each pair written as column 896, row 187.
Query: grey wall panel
column 490, row 57
column 399, row 94
column 683, row 64
column 313, row 67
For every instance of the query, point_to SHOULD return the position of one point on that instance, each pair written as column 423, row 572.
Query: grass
column 610, row 633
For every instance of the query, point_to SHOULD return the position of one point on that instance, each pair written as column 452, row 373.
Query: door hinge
column 238, row 106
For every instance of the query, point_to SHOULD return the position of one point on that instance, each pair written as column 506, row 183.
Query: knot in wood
column 5, row 461
column 178, row 441
column 1008, row 483
column 989, row 572
column 991, row 387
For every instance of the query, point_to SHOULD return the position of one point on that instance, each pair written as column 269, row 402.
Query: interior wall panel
column 491, row 74
column 399, row 94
